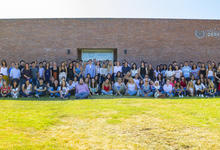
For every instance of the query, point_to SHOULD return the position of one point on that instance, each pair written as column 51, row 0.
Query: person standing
column 186, row 70
column 15, row 73
column 90, row 69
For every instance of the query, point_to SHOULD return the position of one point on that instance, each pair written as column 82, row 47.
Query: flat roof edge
column 108, row 19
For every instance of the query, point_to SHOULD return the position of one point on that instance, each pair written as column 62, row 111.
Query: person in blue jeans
column 146, row 89
column 54, row 89
column 82, row 90
column 40, row 89
column 131, row 87
column 64, row 90
column 168, row 89
column 106, row 87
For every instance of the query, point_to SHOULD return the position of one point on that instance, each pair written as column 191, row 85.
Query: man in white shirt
column 15, row 73
column 168, row 89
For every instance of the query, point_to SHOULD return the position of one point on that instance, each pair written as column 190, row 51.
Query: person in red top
column 183, row 84
column 5, row 90
column 106, row 88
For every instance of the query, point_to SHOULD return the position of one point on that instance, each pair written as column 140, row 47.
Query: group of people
column 84, row 79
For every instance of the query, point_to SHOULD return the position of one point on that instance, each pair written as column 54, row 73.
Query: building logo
column 200, row 34
column 213, row 33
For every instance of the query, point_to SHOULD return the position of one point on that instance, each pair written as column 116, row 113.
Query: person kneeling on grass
column 168, row 89
column 15, row 89
column 119, row 87
column 106, row 87
column 5, row 90
column 82, row 90
column 54, row 89
column 40, row 88
column 27, row 89
column 64, row 90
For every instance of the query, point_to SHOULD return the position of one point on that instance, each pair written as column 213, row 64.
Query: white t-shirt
column 15, row 73
column 131, row 87
column 103, row 71
column 73, row 85
column 117, row 69
column 28, row 90
column 97, row 69
column 137, row 82
column 64, row 91
column 199, row 87
column 4, row 71
column 210, row 73
column 177, row 73
column 41, row 72
column 167, row 88
column 134, row 72
column 169, row 73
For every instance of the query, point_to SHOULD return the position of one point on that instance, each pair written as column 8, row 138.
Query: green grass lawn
column 120, row 123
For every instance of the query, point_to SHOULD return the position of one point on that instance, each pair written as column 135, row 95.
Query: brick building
column 153, row 40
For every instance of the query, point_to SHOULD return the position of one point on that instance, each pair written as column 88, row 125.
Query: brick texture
column 153, row 40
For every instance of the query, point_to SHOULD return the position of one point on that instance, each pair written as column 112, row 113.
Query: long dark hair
column 4, row 61
column 63, row 83
column 93, row 85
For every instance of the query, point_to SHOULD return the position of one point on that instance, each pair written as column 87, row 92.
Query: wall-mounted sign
column 200, row 34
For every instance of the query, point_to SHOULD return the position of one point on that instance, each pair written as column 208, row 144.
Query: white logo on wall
column 200, row 34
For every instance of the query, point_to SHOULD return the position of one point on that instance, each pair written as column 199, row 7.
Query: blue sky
column 187, row 9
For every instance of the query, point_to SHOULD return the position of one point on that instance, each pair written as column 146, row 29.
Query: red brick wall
column 153, row 40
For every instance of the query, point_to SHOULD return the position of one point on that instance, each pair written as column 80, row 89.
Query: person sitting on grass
column 1, row 80
column 40, row 88
column 178, row 90
column 140, row 89
column 71, row 87
column 200, row 88
column 157, row 89
column 93, row 87
column 82, row 90
column 146, row 89
column 54, row 90
column 190, row 89
column 119, row 87
column 5, row 89
column 131, row 87
column 106, row 87
column 183, row 84
column 27, row 89
column 168, row 89
column 15, row 89
column 64, row 90
column 211, row 92
column 75, row 82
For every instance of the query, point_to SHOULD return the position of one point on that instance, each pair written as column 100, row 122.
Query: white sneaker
column 202, row 95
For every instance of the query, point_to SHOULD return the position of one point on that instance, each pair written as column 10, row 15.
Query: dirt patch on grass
column 137, row 132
